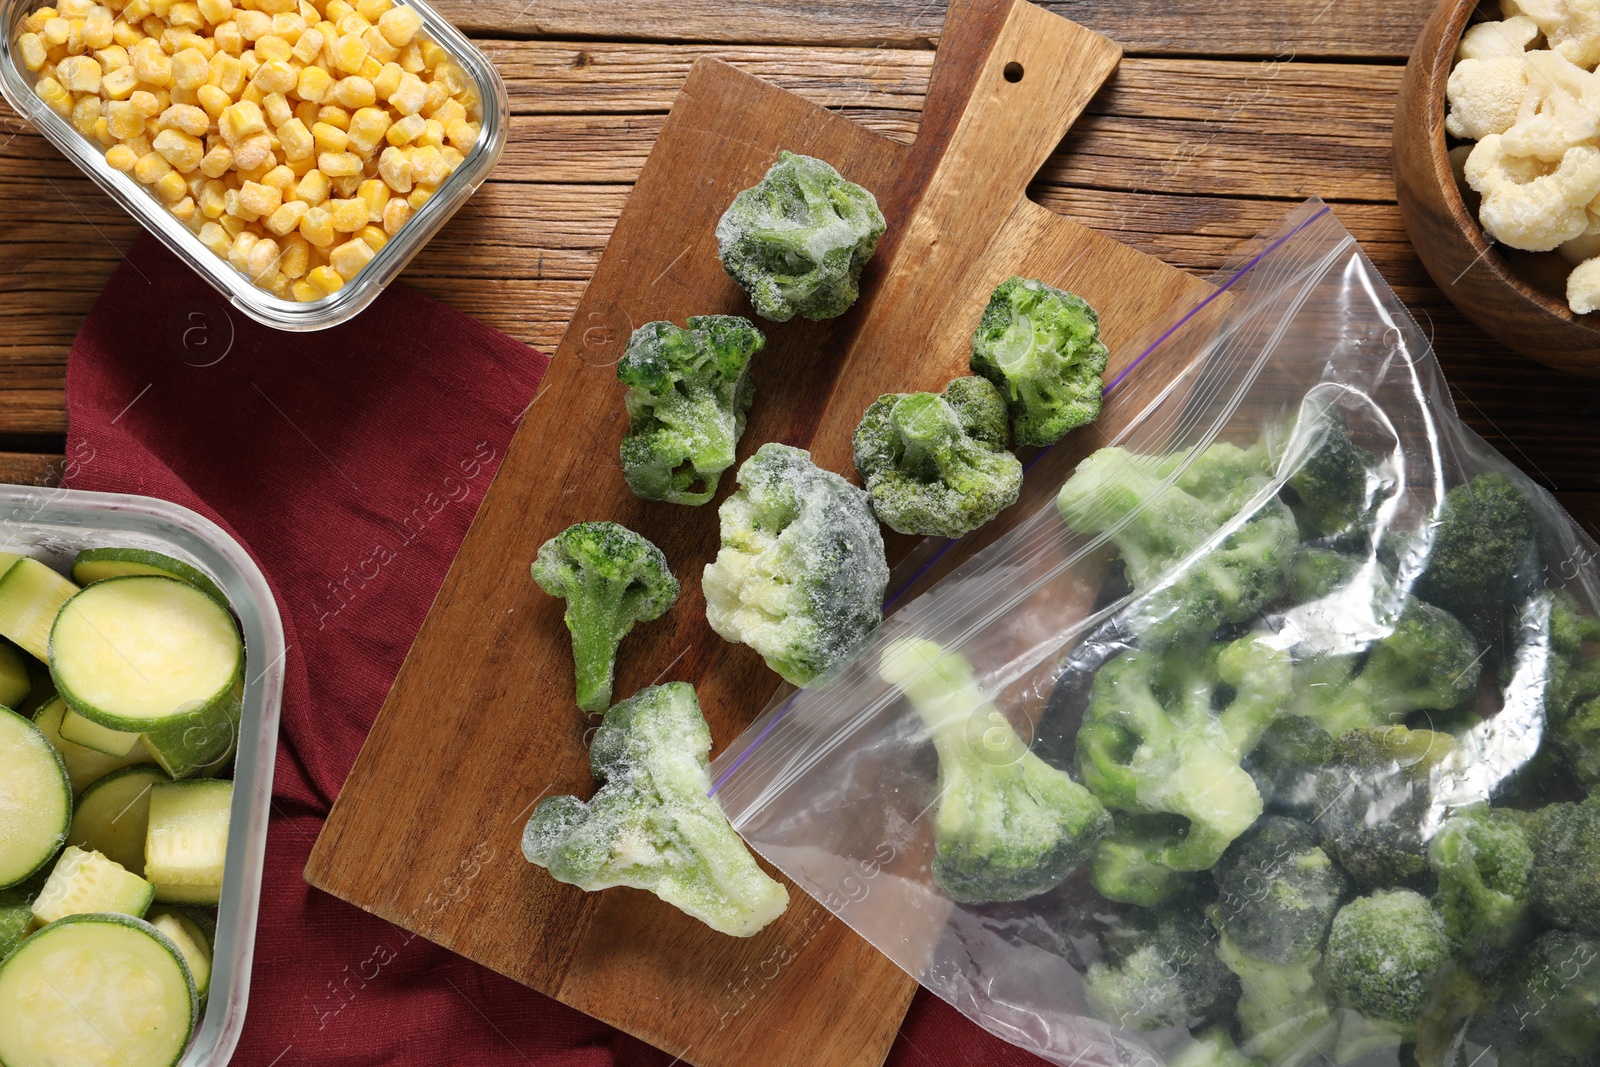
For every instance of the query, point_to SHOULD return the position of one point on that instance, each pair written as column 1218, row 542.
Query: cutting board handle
column 1009, row 80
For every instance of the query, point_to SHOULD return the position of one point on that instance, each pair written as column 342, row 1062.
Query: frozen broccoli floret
column 1331, row 486
column 1153, row 740
column 936, row 464
column 1566, row 864
column 1484, row 558
column 1277, row 891
column 1009, row 825
column 1572, row 695
column 801, row 573
column 1315, row 572
column 1428, row 660
column 1578, row 738
column 1163, row 971
column 651, row 825
column 797, row 241
column 688, row 393
column 1373, row 799
column 1554, row 998
column 1159, row 526
column 1042, row 347
column 610, row 578
column 1214, row 1048
column 1285, row 1011
column 1385, row 953
column 1285, row 765
column 1484, row 865
column 1123, row 868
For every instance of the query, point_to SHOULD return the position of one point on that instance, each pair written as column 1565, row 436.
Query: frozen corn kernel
column 32, row 49
column 213, row 204
column 350, row 257
column 325, row 280
column 262, row 262
column 270, row 48
column 121, row 157
column 295, row 140
column 329, row 138
column 448, row 112
column 314, row 84
column 85, row 115
column 316, row 226
column 288, row 25
column 79, row 74
column 405, row 130
column 348, row 215
column 432, row 135
column 367, row 127
column 259, row 199
column 346, row 185
column 400, row 25
column 119, row 84
column 349, row 52
column 54, row 95
column 334, row 116
column 114, row 57
column 340, row 164
column 239, row 250
column 375, row 194
column 253, row 25
column 145, row 103
column 379, row 50
column 305, row 292
column 231, row 206
column 97, row 27
column 276, row 76
column 215, row 11
column 394, row 166
column 295, row 255
column 215, row 238
column 253, row 153
column 227, row 73
column 353, row 92
column 171, row 187
column 410, row 59
column 186, row 117
column 409, row 96
column 190, row 69
column 282, row 179
column 420, row 194
column 240, row 122
column 309, row 45
column 152, row 65
column 184, row 210
column 151, row 167
column 287, row 218
column 181, row 150
column 56, row 31
column 374, row 237
column 462, row 135
column 427, row 167
column 217, row 162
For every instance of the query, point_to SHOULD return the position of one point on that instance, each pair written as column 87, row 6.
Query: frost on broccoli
column 797, row 241
column 1332, row 485
column 1484, row 557
column 1484, row 866
column 1163, row 515
column 1565, row 886
column 610, row 578
column 1009, row 826
column 651, row 825
column 688, row 393
column 1153, row 741
column 1385, row 953
column 1428, row 660
column 1285, row 764
column 1572, row 695
column 1373, row 798
column 801, row 573
column 1162, row 970
column 936, row 464
column 1042, row 347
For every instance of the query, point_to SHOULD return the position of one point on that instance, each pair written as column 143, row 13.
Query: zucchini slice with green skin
column 96, row 990
column 31, row 595
column 81, row 731
column 98, row 564
column 35, row 799
column 192, row 940
column 84, row 766
column 187, row 842
column 155, row 656
column 113, row 815
column 84, row 883
column 15, row 918
column 15, row 680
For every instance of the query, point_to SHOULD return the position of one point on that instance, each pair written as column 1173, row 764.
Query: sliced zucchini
column 193, row 940
column 15, row 680
column 15, row 918
column 153, row 655
column 96, row 991
column 98, row 564
column 81, row 731
column 35, row 799
column 31, row 595
column 85, row 766
column 113, row 815
column 187, row 843
column 87, row 882
column 7, row 559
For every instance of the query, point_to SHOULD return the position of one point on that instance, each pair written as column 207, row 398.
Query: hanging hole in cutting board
column 1013, row 72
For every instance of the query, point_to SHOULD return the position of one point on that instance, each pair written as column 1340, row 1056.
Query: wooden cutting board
column 481, row 721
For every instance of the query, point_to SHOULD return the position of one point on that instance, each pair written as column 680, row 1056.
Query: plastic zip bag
column 1255, row 726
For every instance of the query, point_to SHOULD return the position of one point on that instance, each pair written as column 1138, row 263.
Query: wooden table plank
column 1349, row 28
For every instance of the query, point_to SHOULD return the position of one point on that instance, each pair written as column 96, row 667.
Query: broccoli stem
column 595, row 616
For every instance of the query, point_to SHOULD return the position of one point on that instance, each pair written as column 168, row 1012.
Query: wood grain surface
column 488, row 683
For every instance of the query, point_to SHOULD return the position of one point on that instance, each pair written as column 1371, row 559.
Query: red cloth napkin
column 349, row 463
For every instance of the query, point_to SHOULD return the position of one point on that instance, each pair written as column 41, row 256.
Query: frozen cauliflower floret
column 1508, row 38
column 1534, row 214
column 1485, row 95
column 1572, row 27
column 1583, row 287
column 1560, row 110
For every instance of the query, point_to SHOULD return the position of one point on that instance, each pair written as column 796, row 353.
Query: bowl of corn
column 296, row 153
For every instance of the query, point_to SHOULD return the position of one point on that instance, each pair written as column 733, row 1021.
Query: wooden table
column 1219, row 119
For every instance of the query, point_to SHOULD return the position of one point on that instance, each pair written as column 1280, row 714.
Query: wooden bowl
column 1462, row 260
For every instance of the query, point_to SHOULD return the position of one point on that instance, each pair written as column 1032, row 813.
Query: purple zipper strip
column 1253, row 262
